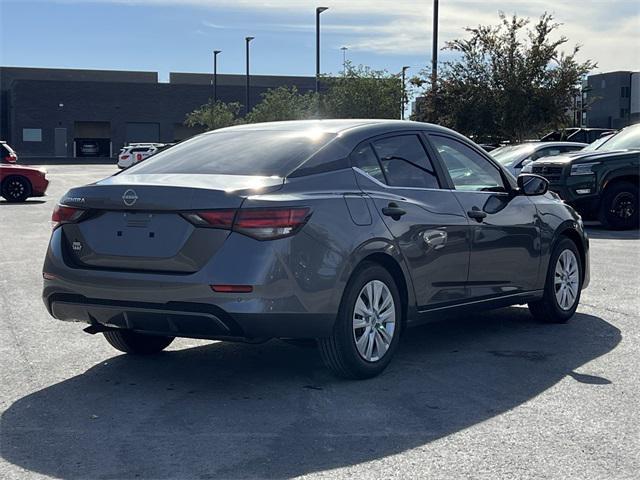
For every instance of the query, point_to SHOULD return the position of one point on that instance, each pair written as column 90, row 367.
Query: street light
column 404, row 90
column 344, row 59
column 247, row 40
column 319, row 10
column 215, row 75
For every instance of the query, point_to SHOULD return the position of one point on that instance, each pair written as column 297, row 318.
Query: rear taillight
column 124, row 157
column 11, row 158
column 63, row 214
column 259, row 223
column 269, row 223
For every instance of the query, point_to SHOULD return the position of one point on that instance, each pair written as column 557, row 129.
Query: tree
column 361, row 92
column 510, row 81
column 284, row 103
column 214, row 115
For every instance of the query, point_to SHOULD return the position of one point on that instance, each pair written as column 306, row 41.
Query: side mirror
column 531, row 185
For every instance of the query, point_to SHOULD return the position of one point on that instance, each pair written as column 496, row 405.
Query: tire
column 550, row 309
column 128, row 341
column 620, row 209
column 16, row 189
column 380, row 330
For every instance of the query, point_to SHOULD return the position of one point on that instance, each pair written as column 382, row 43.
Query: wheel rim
column 15, row 189
column 623, row 206
column 567, row 278
column 374, row 321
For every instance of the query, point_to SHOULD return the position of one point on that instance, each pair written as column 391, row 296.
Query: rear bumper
column 191, row 320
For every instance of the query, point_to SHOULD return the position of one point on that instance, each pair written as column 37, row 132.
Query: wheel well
column 574, row 236
column 392, row 266
column 22, row 177
column 633, row 179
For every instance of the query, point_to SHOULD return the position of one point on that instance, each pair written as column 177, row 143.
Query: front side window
column 405, row 162
column 468, row 169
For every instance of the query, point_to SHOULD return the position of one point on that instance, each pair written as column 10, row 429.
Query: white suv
column 136, row 152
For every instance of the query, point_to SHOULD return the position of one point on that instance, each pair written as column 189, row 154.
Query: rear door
column 503, row 230
column 426, row 220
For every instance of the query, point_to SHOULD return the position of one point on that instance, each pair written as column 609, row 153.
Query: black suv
column 600, row 181
column 583, row 135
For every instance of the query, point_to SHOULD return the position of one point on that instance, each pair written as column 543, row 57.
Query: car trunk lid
column 135, row 223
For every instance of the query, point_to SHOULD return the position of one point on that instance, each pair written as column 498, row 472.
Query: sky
column 179, row 35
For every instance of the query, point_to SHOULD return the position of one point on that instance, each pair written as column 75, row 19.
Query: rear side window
column 240, row 152
column 364, row 158
column 405, row 162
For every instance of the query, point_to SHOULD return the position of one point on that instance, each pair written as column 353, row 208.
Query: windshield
column 240, row 152
column 508, row 156
column 627, row 139
column 596, row 143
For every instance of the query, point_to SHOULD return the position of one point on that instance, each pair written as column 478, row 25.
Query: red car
column 18, row 182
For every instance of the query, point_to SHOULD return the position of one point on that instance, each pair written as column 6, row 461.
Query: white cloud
column 607, row 29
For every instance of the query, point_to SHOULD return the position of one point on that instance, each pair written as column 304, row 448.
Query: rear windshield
column 240, row 152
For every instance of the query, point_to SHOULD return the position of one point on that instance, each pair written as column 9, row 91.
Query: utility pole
column 434, row 51
column 247, row 106
column 404, row 91
column 319, row 10
column 215, row 75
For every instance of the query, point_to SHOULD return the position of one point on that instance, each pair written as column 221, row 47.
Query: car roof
column 328, row 126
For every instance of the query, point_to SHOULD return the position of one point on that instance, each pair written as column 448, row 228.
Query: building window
column 624, row 112
column 31, row 134
column 603, row 83
column 625, row 92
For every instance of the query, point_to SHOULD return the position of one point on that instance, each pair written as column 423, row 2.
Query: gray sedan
column 344, row 231
column 514, row 157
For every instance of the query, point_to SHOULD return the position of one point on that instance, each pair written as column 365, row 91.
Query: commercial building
column 48, row 113
column 612, row 99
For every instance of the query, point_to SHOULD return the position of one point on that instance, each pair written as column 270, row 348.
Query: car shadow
column 273, row 411
column 601, row 232
column 26, row 202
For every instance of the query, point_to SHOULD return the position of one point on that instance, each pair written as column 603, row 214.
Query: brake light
column 11, row 158
column 212, row 218
column 124, row 157
column 63, row 214
column 259, row 223
column 270, row 223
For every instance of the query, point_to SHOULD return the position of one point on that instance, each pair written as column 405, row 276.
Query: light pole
column 215, row 75
column 247, row 40
column 344, row 59
column 319, row 10
column 404, row 90
column 434, row 51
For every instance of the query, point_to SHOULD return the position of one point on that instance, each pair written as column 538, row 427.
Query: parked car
column 89, row 149
column 576, row 134
column 600, row 183
column 514, row 157
column 346, row 231
column 18, row 182
column 136, row 152
column 7, row 154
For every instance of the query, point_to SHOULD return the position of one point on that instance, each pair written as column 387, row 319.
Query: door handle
column 392, row 210
column 477, row 214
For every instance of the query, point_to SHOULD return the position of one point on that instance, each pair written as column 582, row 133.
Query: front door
column 427, row 221
column 504, row 236
column 60, row 142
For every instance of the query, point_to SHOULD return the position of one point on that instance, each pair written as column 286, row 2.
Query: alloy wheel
column 374, row 320
column 623, row 206
column 15, row 188
column 566, row 280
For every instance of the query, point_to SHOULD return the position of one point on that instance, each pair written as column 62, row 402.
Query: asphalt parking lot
column 492, row 395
